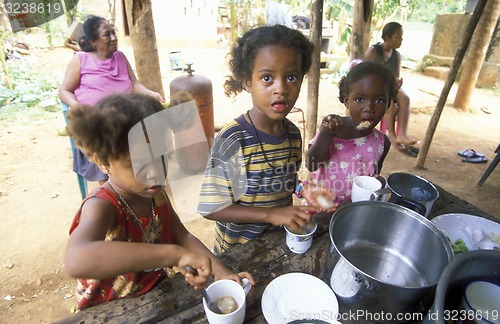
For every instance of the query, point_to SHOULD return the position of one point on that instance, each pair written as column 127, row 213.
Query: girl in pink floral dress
column 346, row 147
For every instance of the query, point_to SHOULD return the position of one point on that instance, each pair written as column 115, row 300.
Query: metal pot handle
column 383, row 194
column 411, row 204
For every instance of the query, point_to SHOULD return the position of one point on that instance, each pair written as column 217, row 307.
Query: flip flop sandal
column 486, row 110
column 408, row 151
column 414, row 149
column 470, row 153
column 475, row 159
column 409, row 144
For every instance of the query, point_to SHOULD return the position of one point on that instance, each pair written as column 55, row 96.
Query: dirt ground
column 39, row 194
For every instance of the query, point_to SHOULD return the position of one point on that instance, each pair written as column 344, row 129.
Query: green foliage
column 345, row 37
column 335, row 8
column 298, row 5
column 32, row 92
column 428, row 10
column 425, row 63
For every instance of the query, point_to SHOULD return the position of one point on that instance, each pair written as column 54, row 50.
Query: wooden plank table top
column 268, row 257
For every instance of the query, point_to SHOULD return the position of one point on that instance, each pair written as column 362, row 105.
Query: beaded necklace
column 153, row 224
column 262, row 146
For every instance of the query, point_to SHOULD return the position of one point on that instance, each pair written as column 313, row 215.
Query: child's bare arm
column 293, row 216
column 318, row 153
column 387, row 146
column 184, row 238
column 89, row 256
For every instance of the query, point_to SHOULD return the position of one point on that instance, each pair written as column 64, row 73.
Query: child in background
column 126, row 232
column 269, row 63
column 346, row 147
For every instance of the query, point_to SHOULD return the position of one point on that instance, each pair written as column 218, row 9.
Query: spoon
column 210, row 303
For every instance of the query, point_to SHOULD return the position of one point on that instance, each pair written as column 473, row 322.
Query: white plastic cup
column 224, row 288
column 300, row 243
column 482, row 302
column 363, row 187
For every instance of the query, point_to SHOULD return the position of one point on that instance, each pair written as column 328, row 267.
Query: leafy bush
column 426, row 11
column 425, row 63
column 31, row 90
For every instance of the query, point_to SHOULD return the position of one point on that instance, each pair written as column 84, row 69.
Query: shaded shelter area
column 139, row 18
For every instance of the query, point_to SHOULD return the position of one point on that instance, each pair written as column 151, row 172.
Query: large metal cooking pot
column 385, row 260
column 409, row 186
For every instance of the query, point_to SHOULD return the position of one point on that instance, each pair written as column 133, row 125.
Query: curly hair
column 90, row 27
column 363, row 70
column 102, row 131
column 245, row 50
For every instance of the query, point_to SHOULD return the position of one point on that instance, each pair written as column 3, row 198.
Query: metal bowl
column 414, row 187
column 385, row 258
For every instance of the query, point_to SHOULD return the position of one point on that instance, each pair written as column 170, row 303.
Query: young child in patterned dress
column 252, row 171
column 345, row 147
column 126, row 233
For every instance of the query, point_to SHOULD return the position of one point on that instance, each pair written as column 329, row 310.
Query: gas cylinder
column 193, row 159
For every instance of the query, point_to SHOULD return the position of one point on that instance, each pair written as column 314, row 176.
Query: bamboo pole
column 457, row 61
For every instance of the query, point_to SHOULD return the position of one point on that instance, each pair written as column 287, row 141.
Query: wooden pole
column 143, row 37
column 431, row 129
column 476, row 54
column 361, row 23
column 4, row 19
column 314, row 73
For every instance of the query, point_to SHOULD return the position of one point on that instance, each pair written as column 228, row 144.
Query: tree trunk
column 233, row 22
column 143, row 37
column 314, row 73
column 4, row 19
column 457, row 61
column 476, row 54
column 361, row 23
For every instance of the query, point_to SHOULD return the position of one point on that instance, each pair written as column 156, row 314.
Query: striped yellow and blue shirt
column 239, row 172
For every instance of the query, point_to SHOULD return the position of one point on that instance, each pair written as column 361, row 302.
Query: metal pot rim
column 411, row 213
column 418, row 177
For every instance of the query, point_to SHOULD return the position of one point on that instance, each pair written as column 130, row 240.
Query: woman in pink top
column 99, row 70
column 349, row 146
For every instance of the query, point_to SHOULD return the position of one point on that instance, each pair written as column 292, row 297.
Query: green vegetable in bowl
column 459, row 246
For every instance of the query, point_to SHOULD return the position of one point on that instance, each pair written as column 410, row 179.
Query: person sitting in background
column 98, row 70
column 386, row 53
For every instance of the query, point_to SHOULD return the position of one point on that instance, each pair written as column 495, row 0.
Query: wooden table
column 268, row 257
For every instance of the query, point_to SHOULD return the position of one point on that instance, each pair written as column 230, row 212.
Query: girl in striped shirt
column 252, row 171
